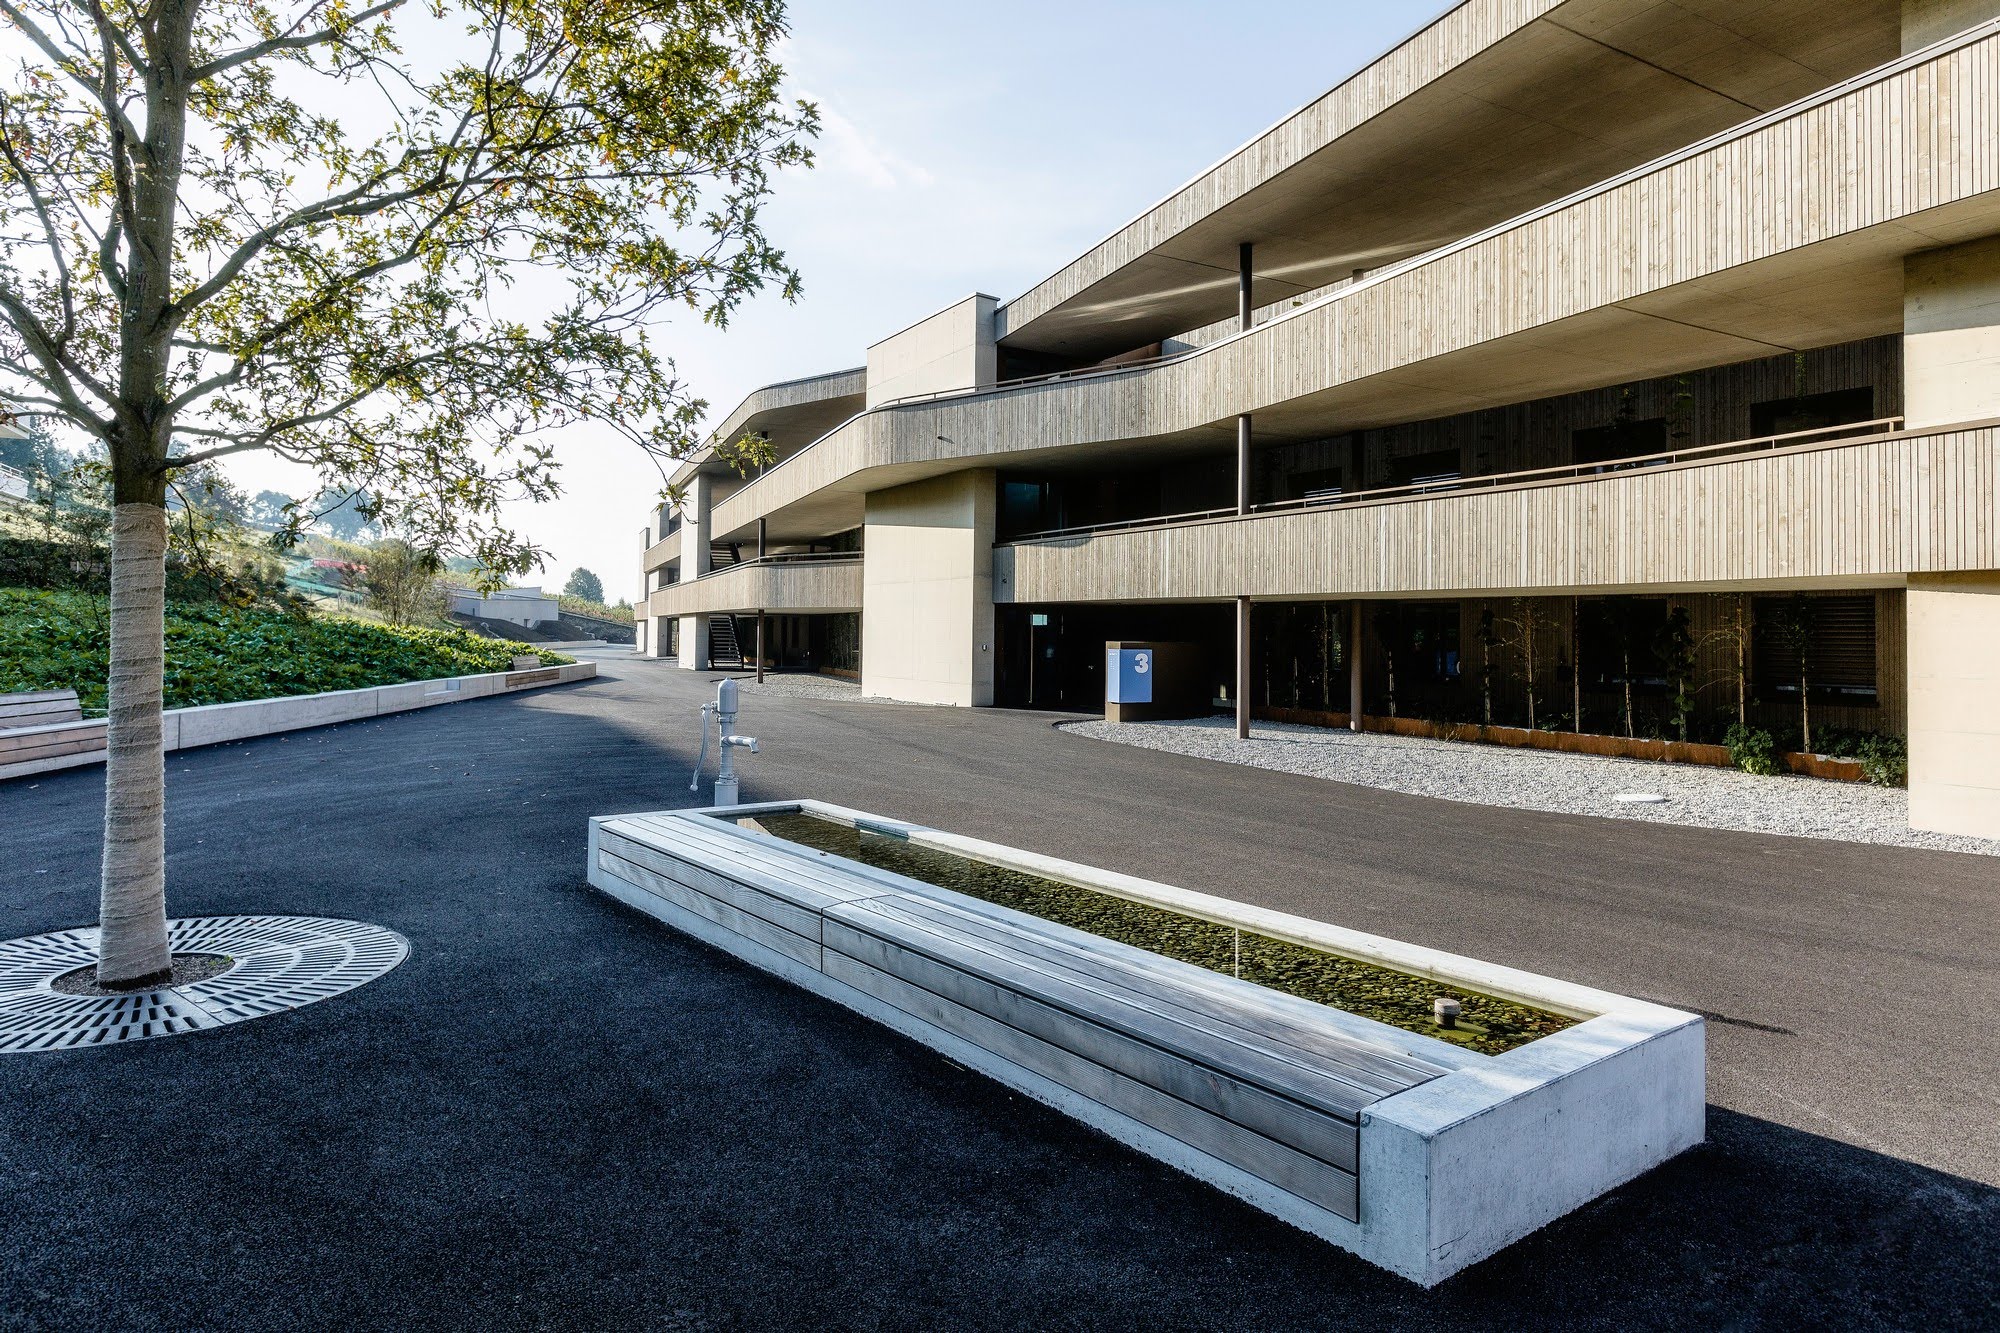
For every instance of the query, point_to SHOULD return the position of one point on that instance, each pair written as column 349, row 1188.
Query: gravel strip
column 806, row 685
column 1576, row 784
column 802, row 685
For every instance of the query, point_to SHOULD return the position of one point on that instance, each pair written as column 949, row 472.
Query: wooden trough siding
column 1847, row 514
column 1215, row 1064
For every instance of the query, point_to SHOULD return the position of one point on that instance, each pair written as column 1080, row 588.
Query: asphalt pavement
column 561, row 1114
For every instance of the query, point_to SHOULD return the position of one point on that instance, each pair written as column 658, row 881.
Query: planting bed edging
column 1447, row 1171
column 76, row 744
column 1569, row 742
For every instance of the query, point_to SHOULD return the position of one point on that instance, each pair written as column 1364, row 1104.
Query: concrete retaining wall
column 212, row 724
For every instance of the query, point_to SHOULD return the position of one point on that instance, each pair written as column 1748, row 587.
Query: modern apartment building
column 1622, row 366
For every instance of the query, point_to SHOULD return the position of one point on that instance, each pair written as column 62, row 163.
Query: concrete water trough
column 1451, row 1109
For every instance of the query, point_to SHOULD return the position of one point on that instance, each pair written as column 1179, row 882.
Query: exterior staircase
column 723, row 648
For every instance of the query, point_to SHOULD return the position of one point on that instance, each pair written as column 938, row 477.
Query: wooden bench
column 1235, row 1072
column 45, row 725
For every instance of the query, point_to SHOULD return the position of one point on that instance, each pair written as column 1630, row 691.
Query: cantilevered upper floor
column 1790, row 231
column 1493, row 109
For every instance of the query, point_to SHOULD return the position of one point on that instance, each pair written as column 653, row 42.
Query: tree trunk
column 1742, row 660
column 1576, row 664
column 132, row 912
column 1625, row 673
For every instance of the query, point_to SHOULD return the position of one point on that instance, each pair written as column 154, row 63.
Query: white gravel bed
column 801, row 685
column 1576, row 784
column 805, row 685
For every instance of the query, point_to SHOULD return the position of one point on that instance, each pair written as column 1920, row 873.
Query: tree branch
column 289, row 42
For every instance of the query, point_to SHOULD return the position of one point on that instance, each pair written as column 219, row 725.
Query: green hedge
column 219, row 654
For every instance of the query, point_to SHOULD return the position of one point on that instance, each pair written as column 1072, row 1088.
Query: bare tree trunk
column 132, row 912
column 1742, row 659
column 1805, row 709
column 1625, row 672
column 1576, row 664
column 1528, row 656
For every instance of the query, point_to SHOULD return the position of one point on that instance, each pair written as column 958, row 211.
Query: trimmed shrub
column 1752, row 749
column 1885, row 760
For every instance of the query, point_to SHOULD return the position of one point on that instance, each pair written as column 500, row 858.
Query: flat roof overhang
column 1482, row 116
column 793, row 413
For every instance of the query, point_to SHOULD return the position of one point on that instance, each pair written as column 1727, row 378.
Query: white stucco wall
column 952, row 349
column 1951, row 334
column 1927, row 21
column 927, row 591
column 1954, row 664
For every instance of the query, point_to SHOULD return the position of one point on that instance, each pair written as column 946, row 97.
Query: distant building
column 517, row 606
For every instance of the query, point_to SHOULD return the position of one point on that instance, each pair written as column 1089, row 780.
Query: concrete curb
column 212, row 724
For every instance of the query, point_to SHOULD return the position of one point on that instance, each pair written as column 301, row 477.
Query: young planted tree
column 1674, row 646
column 315, row 228
column 1793, row 625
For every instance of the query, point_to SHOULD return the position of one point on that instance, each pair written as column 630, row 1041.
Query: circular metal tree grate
column 279, row 963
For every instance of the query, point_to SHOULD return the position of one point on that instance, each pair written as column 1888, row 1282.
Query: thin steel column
column 1243, row 668
column 1243, row 286
column 1243, row 257
column 1243, row 464
column 760, row 539
column 1354, row 670
column 760, row 622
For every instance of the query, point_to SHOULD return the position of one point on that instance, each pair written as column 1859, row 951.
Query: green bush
column 1752, row 749
column 1885, row 760
column 53, row 640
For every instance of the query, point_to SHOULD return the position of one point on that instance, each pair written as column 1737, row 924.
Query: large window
column 1813, row 411
column 1828, row 642
column 1619, row 440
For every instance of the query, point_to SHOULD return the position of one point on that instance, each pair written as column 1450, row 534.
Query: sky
column 963, row 148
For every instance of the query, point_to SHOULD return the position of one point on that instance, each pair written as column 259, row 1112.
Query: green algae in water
column 1489, row 1025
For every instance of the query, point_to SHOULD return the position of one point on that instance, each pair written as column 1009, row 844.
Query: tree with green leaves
column 401, row 582
column 586, row 585
column 316, row 229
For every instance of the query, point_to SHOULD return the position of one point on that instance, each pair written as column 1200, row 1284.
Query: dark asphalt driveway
column 560, row 1114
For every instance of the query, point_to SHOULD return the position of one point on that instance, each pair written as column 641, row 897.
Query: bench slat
column 990, row 981
column 1322, row 1183
column 1208, row 999
column 801, row 921
column 1328, row 1137
column 755, row 928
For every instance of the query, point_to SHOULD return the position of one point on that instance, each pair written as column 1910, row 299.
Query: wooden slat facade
column 1848, row 515
column 1626, row 282
column 787, row 587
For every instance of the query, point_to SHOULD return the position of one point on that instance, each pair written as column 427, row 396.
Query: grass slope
column 218, row 654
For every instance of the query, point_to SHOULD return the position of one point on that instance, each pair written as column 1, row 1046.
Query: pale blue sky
column 966, row 148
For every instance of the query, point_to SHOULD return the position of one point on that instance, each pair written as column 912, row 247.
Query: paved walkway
column 558, row 1114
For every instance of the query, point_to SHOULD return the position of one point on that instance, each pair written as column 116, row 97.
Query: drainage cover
column 279, row 963
column 1639, row 798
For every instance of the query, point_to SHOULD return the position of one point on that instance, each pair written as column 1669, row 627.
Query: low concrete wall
column 213, row 724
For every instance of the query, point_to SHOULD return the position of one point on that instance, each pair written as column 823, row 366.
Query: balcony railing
column 789, row 558
column 1423, row 487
